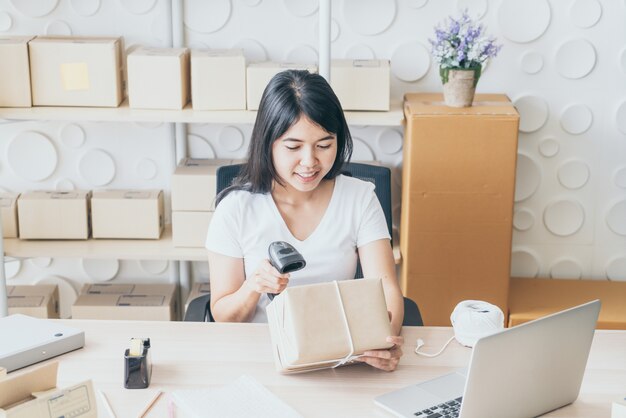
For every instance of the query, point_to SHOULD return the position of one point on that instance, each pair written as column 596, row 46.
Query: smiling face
column 303, row 155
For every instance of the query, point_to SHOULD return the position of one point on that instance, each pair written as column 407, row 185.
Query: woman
column 291, row 190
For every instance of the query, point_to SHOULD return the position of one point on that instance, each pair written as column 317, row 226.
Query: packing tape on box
column 474, row 319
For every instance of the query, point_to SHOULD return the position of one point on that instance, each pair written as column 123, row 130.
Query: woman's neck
column 293, row 197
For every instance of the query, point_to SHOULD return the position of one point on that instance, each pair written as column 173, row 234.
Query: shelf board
column 123, row 113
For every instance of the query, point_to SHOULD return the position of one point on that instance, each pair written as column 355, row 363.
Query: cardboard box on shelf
column 189, row 229
column 142, row 302
column 197, row 290
column 361, row 84
column 218, row 79
column 14, row 72
column 194, row 184
column 8, row 212
column 127, row 214
column 258, row 74
column 76, row 71
column 38, row 301
column 458, row 182
column 158, row 78
column 54, row 215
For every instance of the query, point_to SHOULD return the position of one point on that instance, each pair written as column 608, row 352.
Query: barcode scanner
column 285, row 259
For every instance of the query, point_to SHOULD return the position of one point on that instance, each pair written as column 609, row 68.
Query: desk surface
column 195, row 355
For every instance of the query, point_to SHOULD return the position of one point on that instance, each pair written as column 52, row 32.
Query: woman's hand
column 387, row 359
column 266, row 279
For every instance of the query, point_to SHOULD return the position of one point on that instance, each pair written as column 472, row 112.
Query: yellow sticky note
column 75, row 76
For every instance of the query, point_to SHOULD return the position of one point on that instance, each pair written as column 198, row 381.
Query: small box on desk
column 54, row 215
column 14, row 72
column 458, row 183
column 194, row 184
column 218, row 79
column 76, row 71
column 361, row 84
column 127, row 214
column 38, row 301
column 8, row 211
column 158, row 78
column 258, row 74
column 142, row 302
column 189, row 229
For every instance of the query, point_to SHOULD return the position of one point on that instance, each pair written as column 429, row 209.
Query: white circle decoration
column 100, row 270
column 97, row 167
column 147, row 169
column 616, row 218
column 12, row 268
column 361, row 151
column 72, row 135
column 564, row 217
column 138, row 7
column 573, row 174
column 85, row 7
column 523, row 220
column 622, row 60
column 35, row 8
column 67, row 294
column 154, row 267
column 417, row 4
column 41, row 262
column 64, row 185
column 58, row 27
column 576, row 119
column 524, row 264
column 523, row 21
column 532, row 62
column 206, row 16
column 533, row 112
column 335, row 30
column 575, row 59
column 527, row 178
column 360, row 52
column 616, row 269
column 549, row 147
column 32, row 156
column 230, row 138
column 369, row 17
column 475, row 8
column 566, row 269
column 301, row 8
column 390, row 141
column 585, row 13
column 620, row 178
column 302, row 54
column 252, row 50
column 620, row 118
column 252, row 3
column 410, row 61
column 199, row 147
column 6, row 21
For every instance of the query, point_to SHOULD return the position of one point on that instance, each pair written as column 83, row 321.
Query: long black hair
column 288, row 96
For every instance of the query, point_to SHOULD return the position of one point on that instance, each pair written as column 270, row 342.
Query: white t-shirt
column 245, row 224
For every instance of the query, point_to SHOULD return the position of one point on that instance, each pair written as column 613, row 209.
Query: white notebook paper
column 245, row 397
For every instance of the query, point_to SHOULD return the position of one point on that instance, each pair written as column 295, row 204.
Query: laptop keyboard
column 445, row 409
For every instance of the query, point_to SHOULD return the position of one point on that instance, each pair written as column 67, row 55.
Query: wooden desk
column 192, row 355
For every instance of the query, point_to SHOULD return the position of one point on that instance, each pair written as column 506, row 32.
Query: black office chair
column 380, row 176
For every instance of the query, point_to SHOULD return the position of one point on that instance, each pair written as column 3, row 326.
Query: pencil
column 145, row 410
column 107, row 405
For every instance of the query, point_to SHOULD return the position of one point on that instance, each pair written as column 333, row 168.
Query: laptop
column 524, row 371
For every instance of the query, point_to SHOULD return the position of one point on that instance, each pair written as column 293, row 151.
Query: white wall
column 563, row 64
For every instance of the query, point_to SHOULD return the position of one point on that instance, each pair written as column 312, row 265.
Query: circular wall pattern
column 335, row 30
column 523, row 220
column 616, row 269
column 206, row 16
column 410, row 61
column 524, row 264
column 41, row 262
column 12, row 268
column 147, row 169
column 476, row 8
column 58, row 27
column 390, row 141
column 527, row 178
column 252, row 3
column 64, row 185
column 523, row 21
column 301, row 8
column 585, row 13
column 35, row 8
column 6, row 21
column 230, row 138
column 533, row 112
column 198, row 147
column 72, row 135
column 32, row 156
column 566, row 268
column 137, row 7
column 302, row 54
column 154, row 267
column 622, row 60
column 576, row 119
column 358, row 15
column 531, row 62
column 620, row 118
column 100, row 270
column 97, row 167
column 549, row 147
column 573, row 174
column 85, row 7
column 416, row 4
column 252, row 50
column 620, row 177
column 361, row 151
column 575, row 59
column 564, row 217
column 360, row 52
column 616, row 218
column 67, row 294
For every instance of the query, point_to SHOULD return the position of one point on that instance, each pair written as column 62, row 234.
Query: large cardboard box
column 260, row 73
column 14, row 72
column 361, row 84
column 218, row 79
column 54, row 215
column 39, row 301
column 458, row 182
column 129, row 214
column 158, row 78
column 197, row 290
column 189, row 229
column 8, row 211
column 76, row 71
column 142, row 302
column 530, row 299
column 194, row 184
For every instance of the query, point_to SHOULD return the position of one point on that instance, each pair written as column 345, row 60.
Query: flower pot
column 459, row 85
